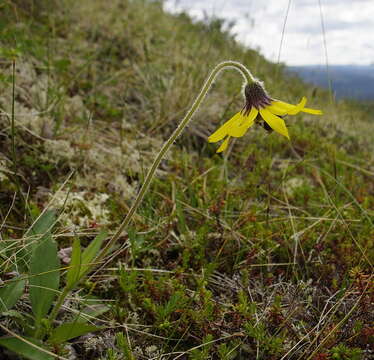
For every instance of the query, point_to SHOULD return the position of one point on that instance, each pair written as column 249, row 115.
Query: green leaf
column 87, row 314
column 10, row 293
column 41, row 227
column 93, row 309
column 44, row 276
column 72, row 276
column 91, row 252
column 71, row 330
column 25, row 348
column 42, row 224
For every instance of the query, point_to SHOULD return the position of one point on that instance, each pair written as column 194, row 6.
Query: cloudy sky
column 349, row 27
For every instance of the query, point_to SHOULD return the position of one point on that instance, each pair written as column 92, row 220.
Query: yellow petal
column 277, row 110
column 299, row 107
column 284, row 105
column 222, row 131
column 247, row 122
column 289, row 107
column 224, row 145
column 275, row 122
column 312, row 111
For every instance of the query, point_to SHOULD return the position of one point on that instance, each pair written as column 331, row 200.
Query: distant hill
column 352, row 81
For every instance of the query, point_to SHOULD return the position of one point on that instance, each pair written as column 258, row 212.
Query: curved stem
column 248, row 77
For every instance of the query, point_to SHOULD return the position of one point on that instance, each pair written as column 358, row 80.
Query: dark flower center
column 255, row 96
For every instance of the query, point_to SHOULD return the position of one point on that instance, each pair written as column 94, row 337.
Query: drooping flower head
column 260, row 108
column 255, row 96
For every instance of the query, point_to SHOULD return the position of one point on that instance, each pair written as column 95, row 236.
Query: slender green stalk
column 13, row 135
column 151, row 172
column 58, row 304
column 15, row 177
column 13, row 129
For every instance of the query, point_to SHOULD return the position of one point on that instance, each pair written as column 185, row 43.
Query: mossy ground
column 263, row 253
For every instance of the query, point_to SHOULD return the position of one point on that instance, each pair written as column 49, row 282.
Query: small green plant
column 227, row 351
column 342, row 352
column 40, row 270
column 124, row 347
column 269, row 344
column 204, row 351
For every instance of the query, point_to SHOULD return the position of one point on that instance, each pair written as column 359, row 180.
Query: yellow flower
column 259, row 108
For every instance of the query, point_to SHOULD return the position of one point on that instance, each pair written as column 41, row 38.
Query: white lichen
column 82, row 209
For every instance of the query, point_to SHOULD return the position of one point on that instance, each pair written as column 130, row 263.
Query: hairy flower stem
column 248, row 77
column 13, row 131
column 151, row 172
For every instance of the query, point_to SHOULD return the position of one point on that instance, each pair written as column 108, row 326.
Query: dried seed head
column 255, row 96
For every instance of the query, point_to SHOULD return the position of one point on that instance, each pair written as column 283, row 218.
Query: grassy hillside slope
column 265, row 252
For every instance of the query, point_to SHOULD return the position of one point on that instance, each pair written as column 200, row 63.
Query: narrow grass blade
column 91, row 307
column 40, row 227
column 42, row 224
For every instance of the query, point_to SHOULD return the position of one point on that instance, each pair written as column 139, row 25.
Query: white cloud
column 349, row 26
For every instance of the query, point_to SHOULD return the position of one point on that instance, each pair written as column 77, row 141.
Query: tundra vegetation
column 263, row 252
